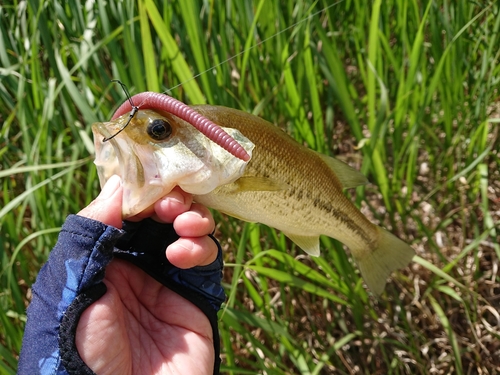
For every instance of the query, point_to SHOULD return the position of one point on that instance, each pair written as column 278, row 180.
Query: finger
column 172, row 205
column 196, row 222
column 147, row 212
column 107, row 207
column 191, row 252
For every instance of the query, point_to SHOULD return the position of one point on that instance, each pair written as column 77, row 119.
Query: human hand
column 139, row 326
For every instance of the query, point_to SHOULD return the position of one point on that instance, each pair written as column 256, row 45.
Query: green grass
column 405, row 91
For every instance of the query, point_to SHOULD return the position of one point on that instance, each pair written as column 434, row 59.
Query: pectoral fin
column 310, row 244
column 348, row 176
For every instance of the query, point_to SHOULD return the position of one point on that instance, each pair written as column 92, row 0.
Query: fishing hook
column 134, row 110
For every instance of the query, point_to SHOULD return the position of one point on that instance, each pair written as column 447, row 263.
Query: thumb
column 107, row 207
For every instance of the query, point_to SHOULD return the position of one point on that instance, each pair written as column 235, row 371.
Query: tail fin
column 390, row 255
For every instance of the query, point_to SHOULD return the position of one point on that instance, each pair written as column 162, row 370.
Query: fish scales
column 313, row 203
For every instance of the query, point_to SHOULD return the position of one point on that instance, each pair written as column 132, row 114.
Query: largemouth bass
column 285, row 185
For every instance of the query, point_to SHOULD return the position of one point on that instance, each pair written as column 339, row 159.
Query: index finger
column 172, row 205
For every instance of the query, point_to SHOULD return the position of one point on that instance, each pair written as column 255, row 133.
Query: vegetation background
column 405, row 91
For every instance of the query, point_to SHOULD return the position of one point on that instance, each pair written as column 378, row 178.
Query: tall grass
column 405, row 91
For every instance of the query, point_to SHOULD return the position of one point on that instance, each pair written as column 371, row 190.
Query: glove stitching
column 78, row 234
column 70, row 357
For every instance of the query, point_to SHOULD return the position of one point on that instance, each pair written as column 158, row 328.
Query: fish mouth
column 118, row 156
column 103, row 130
column 106, row 161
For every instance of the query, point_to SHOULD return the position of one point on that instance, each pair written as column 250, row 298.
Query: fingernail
column 176, row 197
column 110, row 187
column 195, row 214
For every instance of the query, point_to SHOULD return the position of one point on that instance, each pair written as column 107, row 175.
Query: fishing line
column 169, row 90
column 254, row 46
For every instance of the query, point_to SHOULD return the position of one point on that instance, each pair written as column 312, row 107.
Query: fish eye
column 159, row 129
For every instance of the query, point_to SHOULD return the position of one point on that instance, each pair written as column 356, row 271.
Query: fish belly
column 297, row 218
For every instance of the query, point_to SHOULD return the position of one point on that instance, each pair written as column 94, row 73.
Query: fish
column 284, row 185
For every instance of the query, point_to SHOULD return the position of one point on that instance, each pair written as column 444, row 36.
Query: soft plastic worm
column 155, row 100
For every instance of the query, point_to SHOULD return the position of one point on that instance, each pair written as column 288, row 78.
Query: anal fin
column 310, row 244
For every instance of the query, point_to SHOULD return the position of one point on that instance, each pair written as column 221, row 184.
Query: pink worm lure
column 155, row 100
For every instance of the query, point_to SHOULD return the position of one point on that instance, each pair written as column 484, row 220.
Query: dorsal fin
column 348, row 176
